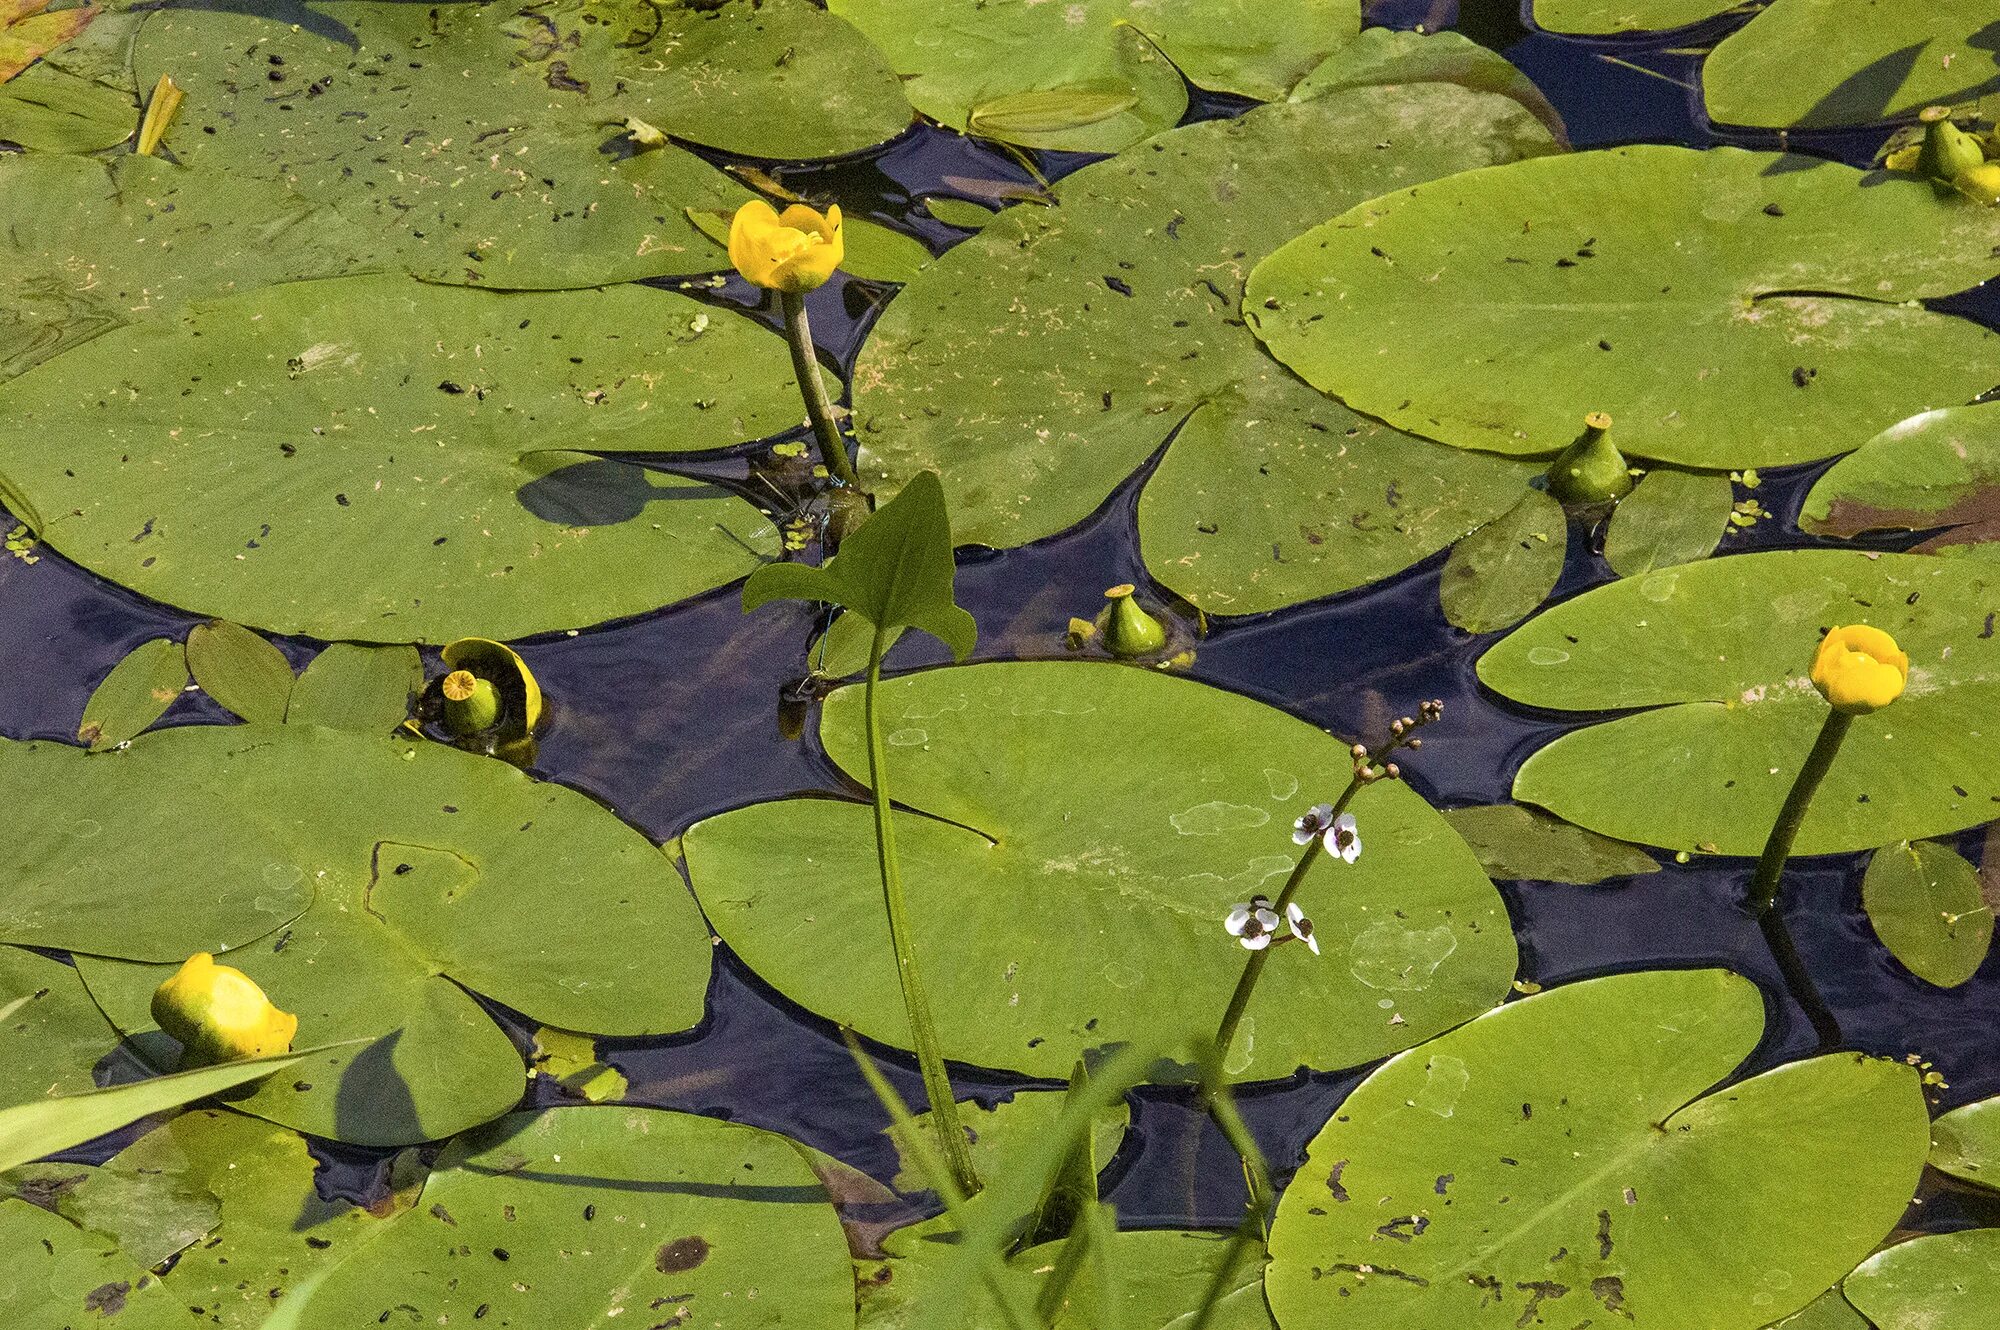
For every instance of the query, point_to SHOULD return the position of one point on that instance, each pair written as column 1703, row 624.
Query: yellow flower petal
column 796, row 252
column 1859, row 669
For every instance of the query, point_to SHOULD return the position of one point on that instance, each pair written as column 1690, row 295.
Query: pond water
column 672, row 716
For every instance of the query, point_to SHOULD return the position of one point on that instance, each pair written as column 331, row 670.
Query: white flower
column 1315, row 822
column 1253, row 923
column 1302, row 927
column 1343, row 839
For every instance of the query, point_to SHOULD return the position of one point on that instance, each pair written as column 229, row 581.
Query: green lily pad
column 1946, row 1279
column 349, row 687
column 1721, row 651
column 1039, row 363
column 1938, row 470
column 1391, row 55
column 53, row 1034
column 55, row 1269
column 240, row 670
column 1079, row 832
column 1603, row 17
column 576, row 1215
column 1728, row 308
column 1524, row 844
column 383, row 459
column 1924, row 902
column 150, row 1217
column 1828, row 1311
column 1670, row 517
column 1870, row 62
column 137, row 692
column 1095, row 75
column 481, row 160
column 48, row 110
column 961, row 213
column 1496, row 576
column 1966, row 1143
column 1558, row 1161
column 366, row 884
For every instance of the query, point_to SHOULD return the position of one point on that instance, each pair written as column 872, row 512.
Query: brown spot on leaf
column 1333, row 1181
column 681, row 1254
column 107, row 1299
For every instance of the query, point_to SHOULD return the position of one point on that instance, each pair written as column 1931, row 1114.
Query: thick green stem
column 1771, row 864
column 923, row 1034
column 819, row 407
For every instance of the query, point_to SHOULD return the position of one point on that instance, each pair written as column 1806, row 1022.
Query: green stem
column 923, row 1035
column 819, row 407
column 1771, row 864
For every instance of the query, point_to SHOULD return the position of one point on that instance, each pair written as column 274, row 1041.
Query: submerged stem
column 916, row 1006
column 819, row 407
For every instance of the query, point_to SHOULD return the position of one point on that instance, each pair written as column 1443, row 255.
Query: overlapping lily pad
column 1728, row 308
column 1039, row 363
column 1672, row 517
column 471, row 143
column 53, row 1034
column 1869, row 62
column 1966, row 1143
column 1945, row 1279
column 388, row 460
column 1391, row 55
column 1601, row 17
column 1079, row 832
column 366, row 884
column 1720, row 651
column 1094, row 75
column 1938, row 471
column 1558, row 1162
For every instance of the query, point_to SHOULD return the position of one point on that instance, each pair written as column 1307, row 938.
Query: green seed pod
column 1948, row 150
column 1981, row 183
column 471, row 704
column 1591, row 470
column 1128, row 629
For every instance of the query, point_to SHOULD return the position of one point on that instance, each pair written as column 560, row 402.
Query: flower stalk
column 819, row 406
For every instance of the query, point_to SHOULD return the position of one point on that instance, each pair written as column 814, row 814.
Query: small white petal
column 1268, row 919
column 1296, row 915
column 1321, row 812
column 1301, row 833
column 1257, row 943
column 1312, row 942
column 1236, row 919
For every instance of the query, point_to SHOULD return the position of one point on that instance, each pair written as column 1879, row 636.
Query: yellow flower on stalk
column 1859, row 669
column 219, row 1014
column 795, row 252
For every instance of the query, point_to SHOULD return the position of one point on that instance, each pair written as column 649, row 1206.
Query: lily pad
column 1727, row 308
column 1670, row 517
column 1720, row 651
column 1924, row 903
column 1946, row 1279
column 1559, row 1160
column 53, row 1034
column 1870, row 62
column 1391, row 55
column 1079, row 831
column 1938, row 471
column 1496, row 576
column 1523, row 844
column 349, row 687
column 48, row 110
column 366, row 884
column 1828, row 1311
column 1095, row 75
column 240, row 670
column 383, row 460
column 1966, row 1143
column 137, row 692
column 56, row 1268
column 1039, row 363
column 150, row 1217
column 1604, row 17
column 481, row 160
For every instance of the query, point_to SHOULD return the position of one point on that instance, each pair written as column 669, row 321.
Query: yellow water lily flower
column 1859, row 669
column 795, row 252
column 219, row 1014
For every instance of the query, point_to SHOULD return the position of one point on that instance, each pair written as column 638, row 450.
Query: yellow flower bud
column 219, row 1014
column 1859, row 669
column 795, row 252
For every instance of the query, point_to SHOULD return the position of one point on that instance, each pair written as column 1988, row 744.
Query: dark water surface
column 672, row 717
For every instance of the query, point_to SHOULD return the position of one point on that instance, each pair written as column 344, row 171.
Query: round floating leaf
column 48, row 110
column 1671, row 517
column 1557, row 1161
column 240, row 670
column 426, row 872
column 1602, row 17
column 380, row 459
column 366, row 689
column 1722, row 649
column 150, row 1216
column 59, row 1274
column 1390, row 55
column 1095, row 75
column 1924, row 903
column 52, row 1034
column 1498, row 574
column 1728, row 308
column 1869, row 62
column 1938, row 470
column 1080, row 832
column 1524, row 844
column 567, row 1217
column 1947, row 1279
column 136, row 692
column 1039, row 363
column 1966, row 1143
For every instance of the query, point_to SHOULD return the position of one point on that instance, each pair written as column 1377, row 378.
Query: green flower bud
column 1128, row 629
column 1948, row 150
column 1591, row 470
column 471, row 704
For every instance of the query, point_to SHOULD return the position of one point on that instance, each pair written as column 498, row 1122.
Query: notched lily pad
column 1938, row 471
column 1944, row 1279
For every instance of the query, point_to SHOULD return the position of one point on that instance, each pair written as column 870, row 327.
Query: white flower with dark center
column 1315, row 822
column 1343, row 839
column 1302, row 927
column 1253, row 923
